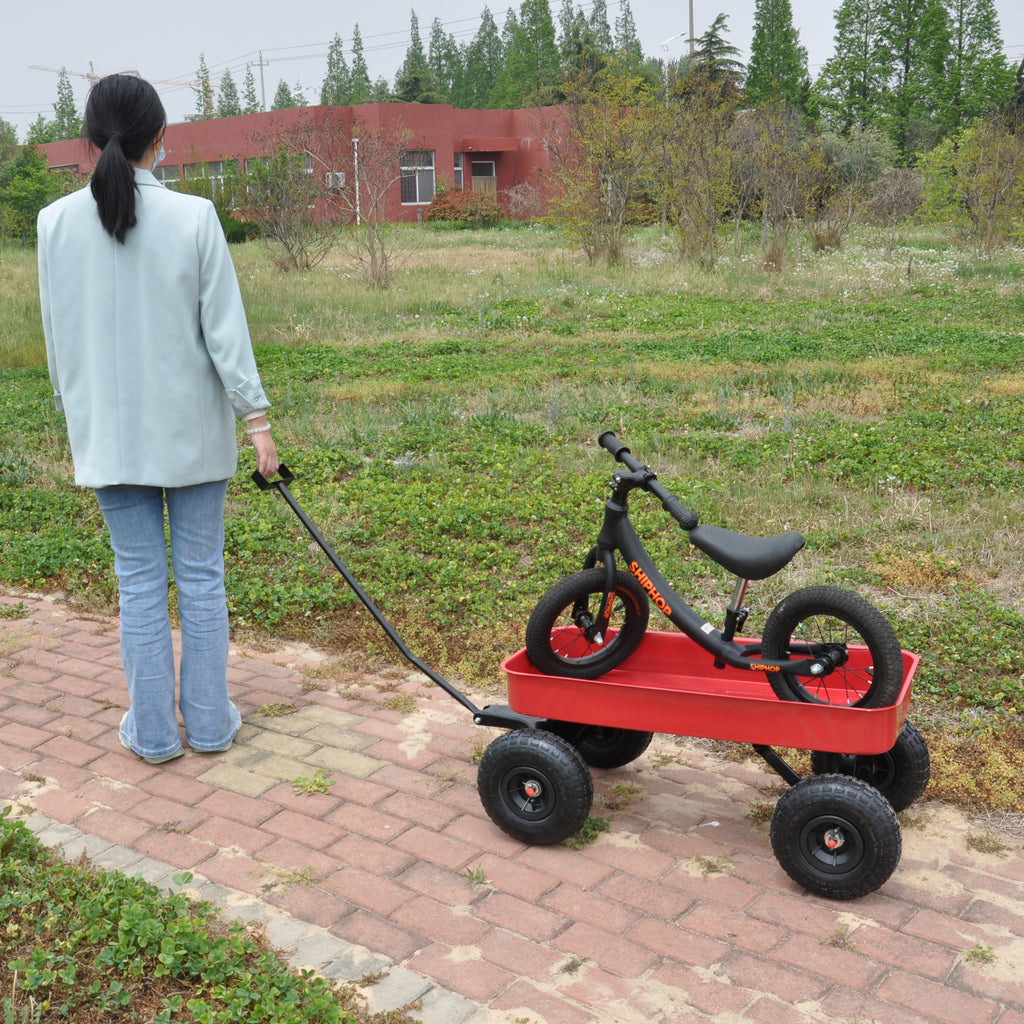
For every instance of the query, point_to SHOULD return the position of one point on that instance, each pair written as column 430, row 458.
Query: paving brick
column 579, row 904
column 435, row 848
column 702, row 991
column 306, row 828
column 366, row 890
column 383, row 936
column 935, row 1002
column 523, row 1001
column 520, row 917
column 462, row 969
column 441, row 923
column 852, row 966
column 612, row 953
column 764, row 974
column 677, row 943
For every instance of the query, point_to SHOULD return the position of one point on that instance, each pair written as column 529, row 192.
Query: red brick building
column 480, row 150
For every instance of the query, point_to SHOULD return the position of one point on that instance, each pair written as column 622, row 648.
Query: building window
column 167, row 173
column 214, row 170
column 459, row 179
column 417, row 176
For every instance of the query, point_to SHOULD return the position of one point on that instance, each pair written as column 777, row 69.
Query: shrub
column 453, row 205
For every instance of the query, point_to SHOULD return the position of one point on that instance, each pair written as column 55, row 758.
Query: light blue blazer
column 147, row 342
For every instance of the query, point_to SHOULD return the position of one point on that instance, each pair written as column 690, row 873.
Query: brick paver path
column 678, row 914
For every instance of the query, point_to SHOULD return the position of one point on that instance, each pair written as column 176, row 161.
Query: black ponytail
column 123, row 116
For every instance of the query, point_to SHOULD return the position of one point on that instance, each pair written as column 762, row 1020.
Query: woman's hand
column 266, row 451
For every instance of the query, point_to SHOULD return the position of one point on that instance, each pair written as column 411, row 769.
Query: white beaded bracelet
column 257, row 430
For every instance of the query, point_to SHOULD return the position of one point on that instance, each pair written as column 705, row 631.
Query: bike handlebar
column 684, row 516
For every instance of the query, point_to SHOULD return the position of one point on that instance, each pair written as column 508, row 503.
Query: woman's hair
column 123, row 116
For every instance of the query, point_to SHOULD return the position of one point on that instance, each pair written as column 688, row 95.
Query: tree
column 8, row 141
column 445, row 61
column 602, row 158
column 228, row 103
column 716, row 59
column 853, row 80
column 289, row 195
column 778, row 63
column 482, row 60
column 66, row 119
column 250, row 102
column 978, row 78
column 976, row 180
column 414, row 82
column 695, row 181
column 359, row 75
column 26, row 186
column 531, row 74
column 380, row 247
column 283, row 99
column 203, row 92
column 627, row 41
column 337, row 87
column 915, row 41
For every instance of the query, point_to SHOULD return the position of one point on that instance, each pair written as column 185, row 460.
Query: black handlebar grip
column 685, row 517
column 609, row 441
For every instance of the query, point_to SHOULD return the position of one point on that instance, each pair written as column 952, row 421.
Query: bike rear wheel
column 817, row 619
column 560, row 639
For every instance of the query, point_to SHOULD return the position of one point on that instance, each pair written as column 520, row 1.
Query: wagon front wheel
column 836, row 836
column 535, row 787
column 900, row 774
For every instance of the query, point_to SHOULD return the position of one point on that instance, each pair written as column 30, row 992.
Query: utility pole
column 691, row 28
column 261, row 64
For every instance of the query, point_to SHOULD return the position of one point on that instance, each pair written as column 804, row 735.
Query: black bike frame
column 618, row 534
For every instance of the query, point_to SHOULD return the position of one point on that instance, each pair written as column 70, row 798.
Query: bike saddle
column 750, row 558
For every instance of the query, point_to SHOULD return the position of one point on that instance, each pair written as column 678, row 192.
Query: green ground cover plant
column 90, row 946
column 443, row 436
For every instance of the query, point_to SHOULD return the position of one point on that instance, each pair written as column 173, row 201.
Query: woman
column 151, row 364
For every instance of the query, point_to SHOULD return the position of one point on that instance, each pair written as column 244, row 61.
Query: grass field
column 443, row 436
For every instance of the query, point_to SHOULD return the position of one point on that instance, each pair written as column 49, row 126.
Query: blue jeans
column 135, row 519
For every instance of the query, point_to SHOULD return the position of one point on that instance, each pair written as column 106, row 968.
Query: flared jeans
column 195, row 516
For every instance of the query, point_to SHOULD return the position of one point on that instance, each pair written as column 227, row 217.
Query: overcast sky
column 163, row 42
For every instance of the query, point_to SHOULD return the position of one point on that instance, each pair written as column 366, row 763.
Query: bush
column 453, row 205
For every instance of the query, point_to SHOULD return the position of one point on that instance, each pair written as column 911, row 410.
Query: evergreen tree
column 250, row 102
column 445, row 61
column 778, row 63
column 203, row 92
column 532, row 70
column 228, row 103
column 600, row 30
column 414, row 82
column 978, row 78
column 283, row 99
column 627, row 41
column 714, row 59
column 66, row 120
column 853, row 80
column 915, row 39
column 360, row 75
column 40, row 131
column 337, row 87
column 482, row 61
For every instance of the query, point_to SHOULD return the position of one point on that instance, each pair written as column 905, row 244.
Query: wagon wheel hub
column 835, row 839
column 532, row 789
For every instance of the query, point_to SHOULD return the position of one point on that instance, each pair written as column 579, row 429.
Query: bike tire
column 829, row 616
column 901, row 774
column 556, row 640
column 836, row 837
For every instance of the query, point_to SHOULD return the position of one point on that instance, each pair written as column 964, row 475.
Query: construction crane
column 93, row 77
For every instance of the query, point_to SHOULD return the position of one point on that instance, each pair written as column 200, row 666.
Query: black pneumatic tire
column 829, row 617
column 612, row 748
column 836, row 837
column 556, row 639
column 535, row 787
column 900, row 774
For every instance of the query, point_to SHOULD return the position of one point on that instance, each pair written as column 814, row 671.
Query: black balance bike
column 590, row 622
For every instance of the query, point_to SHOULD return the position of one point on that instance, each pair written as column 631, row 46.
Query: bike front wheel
column 560, row 635
column 820, row 620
